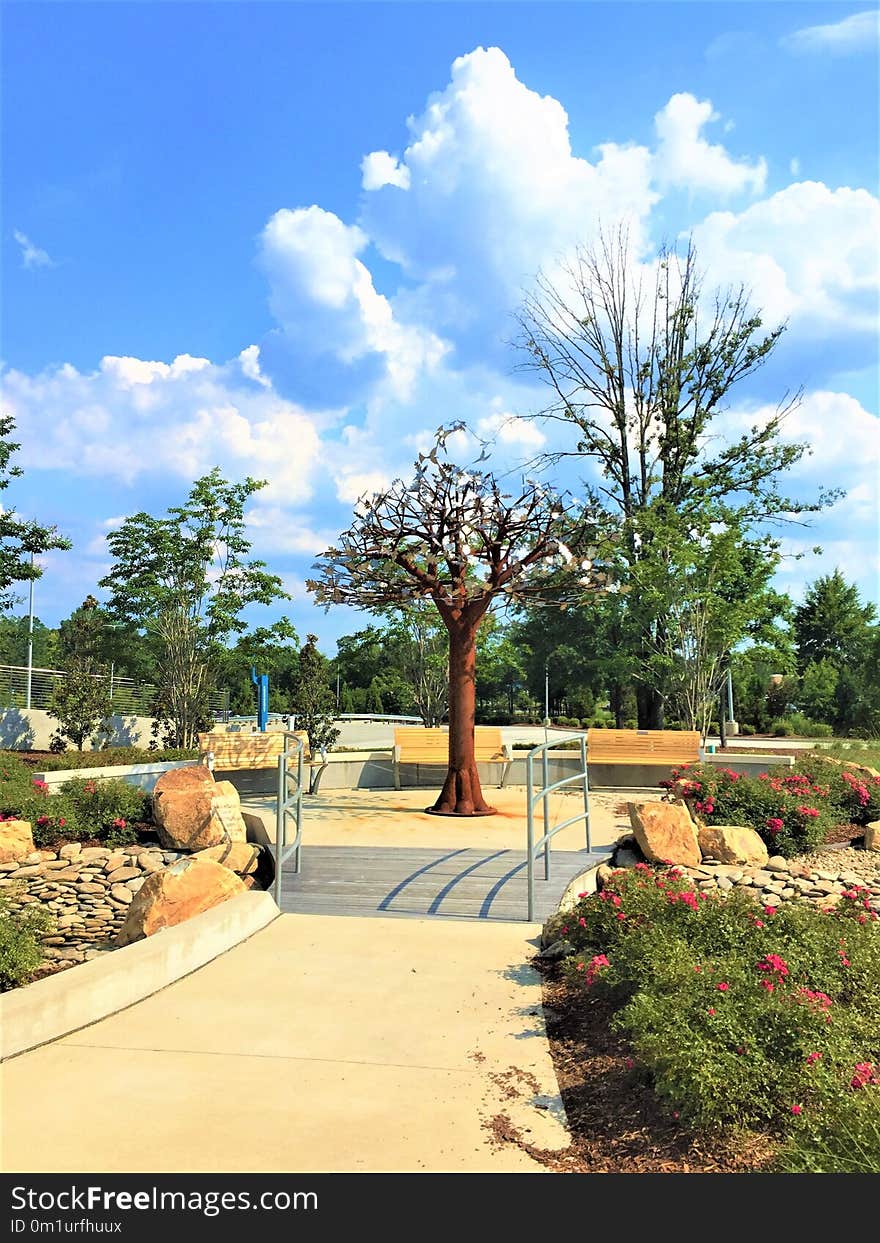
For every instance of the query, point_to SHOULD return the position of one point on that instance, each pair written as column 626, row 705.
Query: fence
column 127, row 696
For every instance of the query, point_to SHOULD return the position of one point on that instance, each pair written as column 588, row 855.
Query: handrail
column 547, row 788
column 288, row 804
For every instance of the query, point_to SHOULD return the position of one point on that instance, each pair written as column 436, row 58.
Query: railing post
column 546, row 777
column 530, row 831
column 299, row 803
column 280, row 823
column 586, row 784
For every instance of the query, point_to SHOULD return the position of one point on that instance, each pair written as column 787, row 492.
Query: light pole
column 30, row 656
column 546, row 700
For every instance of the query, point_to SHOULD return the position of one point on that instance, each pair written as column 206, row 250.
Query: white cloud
column 250, row 365
column 511, row 429
column 352, row 484
column 31, row 256
column 323, row 296
column 133, row 417
column 279, row 531
column 380, row 169
column 807, row 252
column 856, row 33
column 685, row 159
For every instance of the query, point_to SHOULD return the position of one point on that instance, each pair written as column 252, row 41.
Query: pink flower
column 797, row 1109
column 119, row 823
column 582, row 923
column 722, row 987
column 772, row 962
column 813, row 1057
column 775, row 825
column 864, row 1074
column 768, row 984
column 711, row 1010
column 629, row 1063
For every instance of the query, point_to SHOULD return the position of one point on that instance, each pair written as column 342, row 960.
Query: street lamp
column 30, row 655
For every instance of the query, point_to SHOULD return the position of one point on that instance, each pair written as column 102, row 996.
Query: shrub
column 747, row 730
column 843, row 1137
column 803, row 727
column 781, row 728
column 106, row 808
column 738, row 1014
column 20, row 950
column 791, row 811
column 110, row 757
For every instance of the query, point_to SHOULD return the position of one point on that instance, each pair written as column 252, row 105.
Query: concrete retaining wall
column 65, row 1002
column 31, row 729
column 144, row 776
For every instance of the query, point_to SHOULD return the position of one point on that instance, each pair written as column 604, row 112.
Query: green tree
column 184, row 580
column 21, row 540
column 80, row 701
column 270, row 649
column 313, row 701
column 818, row 690
column 640, row 376
column 832, row 623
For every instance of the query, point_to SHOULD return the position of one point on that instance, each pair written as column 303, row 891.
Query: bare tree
column 452, row 536
column 639, row 369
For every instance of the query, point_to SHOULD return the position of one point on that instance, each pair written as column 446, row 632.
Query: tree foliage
column 186, row 579
column 20, row 538
column 80, row 701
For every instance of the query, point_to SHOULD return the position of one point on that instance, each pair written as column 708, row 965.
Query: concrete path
column 319, row 1045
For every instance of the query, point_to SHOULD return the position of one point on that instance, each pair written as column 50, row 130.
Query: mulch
column 617, row 1123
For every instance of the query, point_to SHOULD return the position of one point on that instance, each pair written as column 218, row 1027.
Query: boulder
column 202, row 815
column 183, row 779
column 665, row 833
column 16, row 840
column 175, row 894
column 732, row 844
column 240, row 857
column 872, row 835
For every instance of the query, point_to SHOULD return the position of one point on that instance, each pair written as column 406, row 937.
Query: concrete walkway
column 319, row 1045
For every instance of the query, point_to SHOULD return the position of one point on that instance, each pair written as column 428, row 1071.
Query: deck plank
column 415, row 882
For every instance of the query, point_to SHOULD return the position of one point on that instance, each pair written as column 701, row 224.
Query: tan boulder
column 175, row 894
column 242, row 858
column 206, row 814
column 183, row 779
column 730, row 843
column 872, row 835
column 16, row 840
column 665, row 833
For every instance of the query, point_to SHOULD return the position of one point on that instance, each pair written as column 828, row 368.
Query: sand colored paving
column 398, row 818
column 317, row 1045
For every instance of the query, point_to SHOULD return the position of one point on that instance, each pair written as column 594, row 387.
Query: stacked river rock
column 726, row 856
column 102, row 898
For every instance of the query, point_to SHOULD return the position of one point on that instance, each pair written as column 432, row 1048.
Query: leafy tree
column 20, row 538
column 14, row 643
column 185, row 580
column 270, row 649
column 418, row 646
column 374, row 697
column 832, row 623
column 640, row 375
column 80, row 701
column 314, row 702
column 454, row 537
column 817, row 690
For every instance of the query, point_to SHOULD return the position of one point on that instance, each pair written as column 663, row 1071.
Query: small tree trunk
column 462, row 794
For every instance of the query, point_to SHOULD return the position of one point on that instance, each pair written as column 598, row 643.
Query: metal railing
column 126, row 695
column 289, row 806
column 533, row 797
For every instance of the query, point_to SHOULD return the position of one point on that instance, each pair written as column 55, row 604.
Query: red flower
column 813, row 1057
column 722, row 987
column 797, row 1109
column 711, row 1010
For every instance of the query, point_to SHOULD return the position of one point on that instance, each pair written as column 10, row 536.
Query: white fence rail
column 127, row 696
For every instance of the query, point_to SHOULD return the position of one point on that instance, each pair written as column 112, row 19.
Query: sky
column 290, row 239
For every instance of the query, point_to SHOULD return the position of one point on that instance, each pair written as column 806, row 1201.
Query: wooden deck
column 428, row 883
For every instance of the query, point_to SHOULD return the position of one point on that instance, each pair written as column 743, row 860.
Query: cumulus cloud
column 856, row 33
column 808, row 253
column 31, row 256
column 133, row 417
column 511, row 429
column 684, row 158
column 323, row 296
column 487, row 191
column 352, row 484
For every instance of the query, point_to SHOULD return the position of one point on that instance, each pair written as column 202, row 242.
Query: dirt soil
column 617, row 1123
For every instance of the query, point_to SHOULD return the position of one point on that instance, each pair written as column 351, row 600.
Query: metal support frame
column 532, row 797
column 289, row 806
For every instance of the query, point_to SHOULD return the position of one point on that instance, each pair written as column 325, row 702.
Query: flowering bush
column 109, row 808
column 738, row 1013
column 793, row 810
column 82, row 809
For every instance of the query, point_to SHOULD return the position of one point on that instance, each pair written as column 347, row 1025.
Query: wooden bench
column 666, row 747
column 414, row 745
column 234, row 752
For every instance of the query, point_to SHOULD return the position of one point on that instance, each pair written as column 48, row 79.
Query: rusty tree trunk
column 462, row 794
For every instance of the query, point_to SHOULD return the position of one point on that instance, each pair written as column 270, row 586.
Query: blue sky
column 327, row 214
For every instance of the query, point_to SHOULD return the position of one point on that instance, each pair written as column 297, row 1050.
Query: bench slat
column 627, row 746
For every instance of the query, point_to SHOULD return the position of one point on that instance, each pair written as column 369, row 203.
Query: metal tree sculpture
column 453, row 536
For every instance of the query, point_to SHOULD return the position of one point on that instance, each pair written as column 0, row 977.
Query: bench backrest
column 236, row 751
column 649, row 746
column 415, row 745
